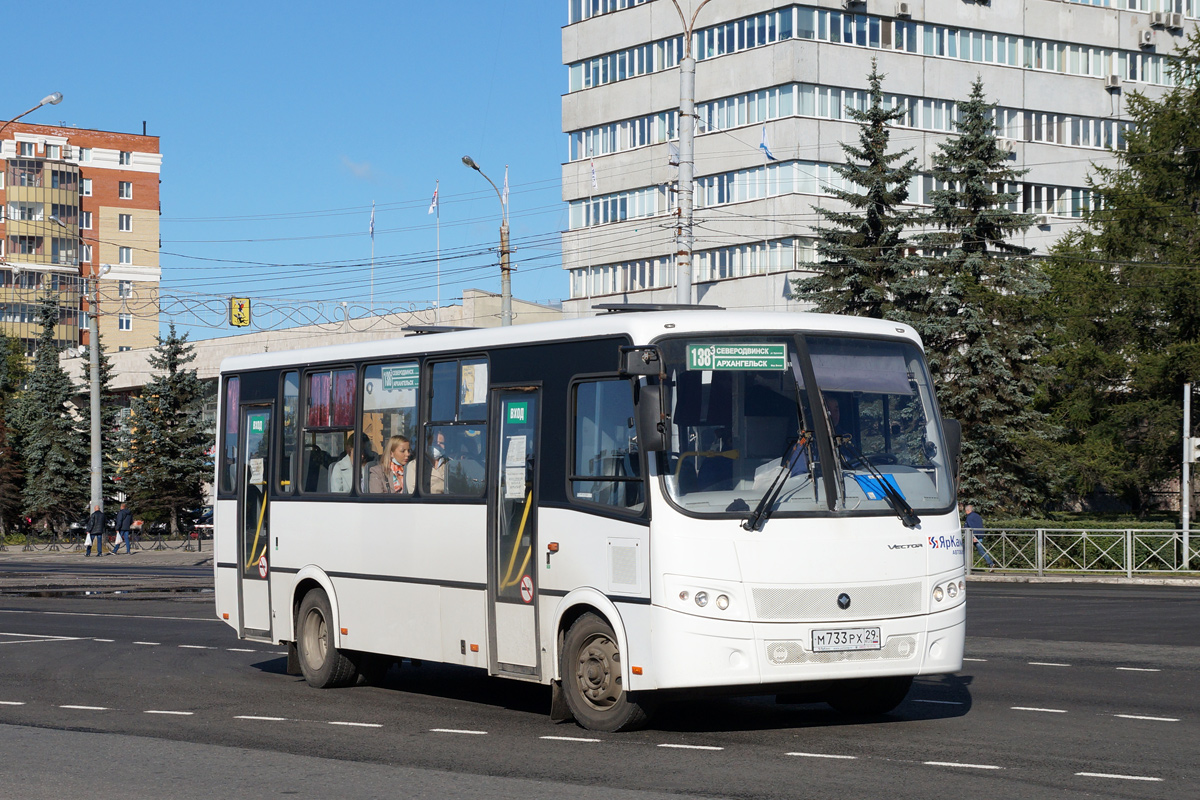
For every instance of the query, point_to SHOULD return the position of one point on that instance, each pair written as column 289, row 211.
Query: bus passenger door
column 254, row 524
column 512, row 532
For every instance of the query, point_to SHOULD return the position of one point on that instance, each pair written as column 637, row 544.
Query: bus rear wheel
column 870, row 696
column 323, row 665
column 591, row 679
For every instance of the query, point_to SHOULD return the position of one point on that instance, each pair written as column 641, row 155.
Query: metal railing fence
column 75, row 544
column 1045, row 551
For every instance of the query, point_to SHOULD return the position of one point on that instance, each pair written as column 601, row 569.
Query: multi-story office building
column 72, row 200
column 784, row 74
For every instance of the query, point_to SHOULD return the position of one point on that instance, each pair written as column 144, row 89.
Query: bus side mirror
column 652, row 421
column 953, row 430
column 640, row 360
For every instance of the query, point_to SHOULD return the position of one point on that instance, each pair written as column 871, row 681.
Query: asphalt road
column 1071, row 691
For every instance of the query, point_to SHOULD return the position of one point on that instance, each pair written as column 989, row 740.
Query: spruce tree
column 974, row 300
column 53, row 450
column 12, row 372
column 1127, row 292
column 862, row 250
column 166, row 462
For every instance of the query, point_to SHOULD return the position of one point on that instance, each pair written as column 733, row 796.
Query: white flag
column 594, row 184
column 764, row 146
column 372, row 220
column 505, row 198
column 433, row 204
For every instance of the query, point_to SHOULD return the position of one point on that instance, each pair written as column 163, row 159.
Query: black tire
column 870, row 696
column 591, row 679
column 322, row 664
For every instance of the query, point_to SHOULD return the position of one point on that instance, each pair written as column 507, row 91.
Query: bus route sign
column 731, row 356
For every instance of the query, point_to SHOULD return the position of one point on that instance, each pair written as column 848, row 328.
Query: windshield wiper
column 762, row 511
column 903, row 510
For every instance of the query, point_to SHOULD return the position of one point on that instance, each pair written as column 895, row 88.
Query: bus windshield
column 741, row 414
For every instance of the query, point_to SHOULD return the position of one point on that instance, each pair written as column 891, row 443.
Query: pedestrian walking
column 96, row 524
column 974, row 525
column 124, row 523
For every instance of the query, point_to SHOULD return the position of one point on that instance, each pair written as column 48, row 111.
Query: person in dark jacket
column 124, row 523
column 96, row 524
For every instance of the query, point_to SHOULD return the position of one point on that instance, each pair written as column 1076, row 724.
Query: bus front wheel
column 323, row 665
column 591, row 678
column 870, row 696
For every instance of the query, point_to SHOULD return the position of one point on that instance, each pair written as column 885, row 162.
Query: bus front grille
column 788, row 604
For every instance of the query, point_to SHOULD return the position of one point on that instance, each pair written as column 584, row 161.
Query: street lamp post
column 505, row 280
column 52, row 99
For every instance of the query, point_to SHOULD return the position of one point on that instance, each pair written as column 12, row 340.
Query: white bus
column 625, row 507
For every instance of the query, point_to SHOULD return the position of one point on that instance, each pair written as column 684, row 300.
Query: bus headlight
column 683, row 595
column 722, row 602
column 702, row 599
column 952, row 590
column 937, row 594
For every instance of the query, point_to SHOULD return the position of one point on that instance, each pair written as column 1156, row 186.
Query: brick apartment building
column 72, row 200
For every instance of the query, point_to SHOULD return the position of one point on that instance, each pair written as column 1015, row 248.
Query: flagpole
column 372, row 257
column 437, row 312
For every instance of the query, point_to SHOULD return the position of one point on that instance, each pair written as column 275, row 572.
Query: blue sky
column 280, row 123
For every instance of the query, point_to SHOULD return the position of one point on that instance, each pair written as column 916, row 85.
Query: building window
column 85, row 220
column 125, row 222
column 125, row 322
column 126, row 255
column 85, row 154
column 124, row 288
column 26, row 149
column 85, row 187
column 125, row 190
column 126, row 157
column 122, row 348
column 53, row 151
column 85, row 254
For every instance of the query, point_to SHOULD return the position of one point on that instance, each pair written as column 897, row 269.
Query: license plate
column 846, row 639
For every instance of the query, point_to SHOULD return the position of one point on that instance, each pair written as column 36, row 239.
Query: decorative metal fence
column 69, row 544
column 1061, row 550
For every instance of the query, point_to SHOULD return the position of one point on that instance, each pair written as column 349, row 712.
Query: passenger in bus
column 341, row 474
column 437, row 463
column 391, row 475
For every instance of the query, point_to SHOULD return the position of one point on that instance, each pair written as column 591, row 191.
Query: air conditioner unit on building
column 1007, row 145
column 1175, row 21
column 1146, row 38
column 1041, row 221
column 1112, row 82
column 903, row 9
column 1158, row 19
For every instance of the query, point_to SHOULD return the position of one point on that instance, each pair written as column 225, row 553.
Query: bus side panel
column 225, row 561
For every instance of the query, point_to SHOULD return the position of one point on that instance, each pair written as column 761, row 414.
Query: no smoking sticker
column 262, row 567
column 527, row 589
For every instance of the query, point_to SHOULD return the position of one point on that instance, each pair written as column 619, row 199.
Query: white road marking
column 973, row 659
column 821, row 755
column 1045, row 710
column 1118, row 777
column 569, row 739
column 196, row 647
column 102, row 640
column 172, row 713
column 940, row 702
column 358, row 724
column 264, row 719
column 691, row 747
column 1138, row 669
column 151, row 644
column 34, row 638
column 86, row 708
column 113, row 616
column 1150, row 719
column 1046, row 664
column 453, row 730
column 241, row 650
column 12, row 703
column 957, row 764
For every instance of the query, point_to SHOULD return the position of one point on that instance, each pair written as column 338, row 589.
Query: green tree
column 53, row 451
column 165, row 461
column 862, row 250
column 974, row 300
column 1127, row 292
column 12, row 374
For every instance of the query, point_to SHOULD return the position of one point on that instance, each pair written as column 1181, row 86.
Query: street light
column 505, row 280
column 52, row 99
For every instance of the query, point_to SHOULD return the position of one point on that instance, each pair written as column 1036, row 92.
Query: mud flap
column 559, row 710
column 293, row 661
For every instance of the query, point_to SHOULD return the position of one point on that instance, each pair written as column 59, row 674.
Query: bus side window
column 229, row 444
column 606, row 465
column 328, row 443
column 289, row 439
column 453, row 455
column 390, row 393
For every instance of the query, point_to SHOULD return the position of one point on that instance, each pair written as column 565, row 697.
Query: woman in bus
column 391, row 475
